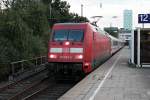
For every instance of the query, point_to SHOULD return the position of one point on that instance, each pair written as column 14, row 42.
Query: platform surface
column 114, row 80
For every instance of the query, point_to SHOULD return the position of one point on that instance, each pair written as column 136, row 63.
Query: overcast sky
column 111, row 8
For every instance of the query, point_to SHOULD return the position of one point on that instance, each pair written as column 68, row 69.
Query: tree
column 60, row 12
column 24, row 27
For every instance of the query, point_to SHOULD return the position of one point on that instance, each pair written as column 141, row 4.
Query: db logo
column 65, row 57
column 65, row 50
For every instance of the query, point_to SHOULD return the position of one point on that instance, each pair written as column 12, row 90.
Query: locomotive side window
column 70, row 35
column 60, row 35
column 75, row 35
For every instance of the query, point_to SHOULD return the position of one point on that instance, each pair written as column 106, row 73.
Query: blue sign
column 143, row 18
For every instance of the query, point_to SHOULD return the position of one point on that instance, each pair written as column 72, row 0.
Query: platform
column 114, row 80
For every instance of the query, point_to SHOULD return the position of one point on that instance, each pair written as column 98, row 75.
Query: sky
column 109, row 9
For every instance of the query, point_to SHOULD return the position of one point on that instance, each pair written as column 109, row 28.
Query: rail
column 20, row 67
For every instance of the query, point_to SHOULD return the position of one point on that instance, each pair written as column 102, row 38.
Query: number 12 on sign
column 143, row 18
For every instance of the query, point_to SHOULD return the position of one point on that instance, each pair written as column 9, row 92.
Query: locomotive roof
column 71, row 23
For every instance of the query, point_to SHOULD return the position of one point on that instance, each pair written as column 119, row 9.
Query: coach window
column 115, row 43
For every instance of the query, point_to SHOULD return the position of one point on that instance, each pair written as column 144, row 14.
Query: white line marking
column 101, row 84
column 56, row 50
column 76, row 50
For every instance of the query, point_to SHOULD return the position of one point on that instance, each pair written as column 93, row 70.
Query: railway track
column 21, row 88
column 52, row 92
column 36, row 87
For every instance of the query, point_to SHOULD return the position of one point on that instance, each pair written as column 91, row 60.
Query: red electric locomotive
column 77, row 48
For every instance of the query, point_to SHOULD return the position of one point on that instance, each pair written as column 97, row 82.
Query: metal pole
column 138, row 47
column 82, row 10
column 132, row 47
column 100, row 5
column 50, row 10
column 143, row 25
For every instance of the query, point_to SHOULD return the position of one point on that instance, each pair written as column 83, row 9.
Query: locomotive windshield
column 60, row 35
column 68, row 35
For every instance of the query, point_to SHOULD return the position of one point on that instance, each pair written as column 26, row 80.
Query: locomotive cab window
column 68, row 35
column 75, row 35
column 60, row 35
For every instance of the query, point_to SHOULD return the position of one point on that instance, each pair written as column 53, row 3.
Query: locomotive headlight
column 67, row 43
column 79, row 57
column 52, row 56
column 86, row 64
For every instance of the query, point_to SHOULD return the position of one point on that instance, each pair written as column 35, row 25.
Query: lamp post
column 50, row 8
column 82, row 10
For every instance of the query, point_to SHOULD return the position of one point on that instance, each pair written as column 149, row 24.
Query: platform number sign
column 143, row 18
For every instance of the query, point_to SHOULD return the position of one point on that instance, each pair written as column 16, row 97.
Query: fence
column 20, row 67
